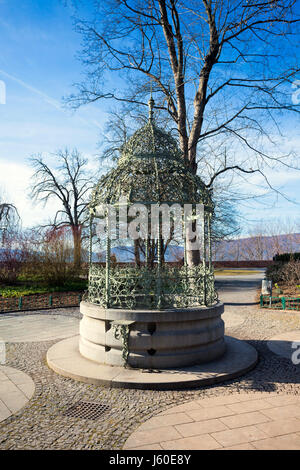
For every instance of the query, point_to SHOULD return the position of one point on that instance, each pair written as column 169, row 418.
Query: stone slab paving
column 22, row 328
column 286, row 344
column 237, row 421
column 16, row 388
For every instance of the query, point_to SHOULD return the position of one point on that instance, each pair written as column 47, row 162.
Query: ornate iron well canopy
column 152, row 314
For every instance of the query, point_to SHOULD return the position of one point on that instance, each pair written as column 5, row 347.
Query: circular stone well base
column 65, row 359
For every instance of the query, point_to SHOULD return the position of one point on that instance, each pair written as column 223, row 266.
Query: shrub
column 49, row 260
column 286, row 257
column 55, row 264
column 288, row 273
column 274, row 272
column 291, row 273
column 13, row 255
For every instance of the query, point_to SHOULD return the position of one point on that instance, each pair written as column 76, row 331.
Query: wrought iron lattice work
column 132, row 288
column 150, row 171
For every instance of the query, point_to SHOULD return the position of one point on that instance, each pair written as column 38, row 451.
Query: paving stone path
column 16, row 388
column 29, row 328
column 265, row 421
column 42, row 424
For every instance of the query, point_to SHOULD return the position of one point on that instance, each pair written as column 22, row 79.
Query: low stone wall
column 151, row 339
column 243, row 264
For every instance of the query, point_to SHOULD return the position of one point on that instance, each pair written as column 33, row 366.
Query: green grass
column 23, row 290
column 234, row 272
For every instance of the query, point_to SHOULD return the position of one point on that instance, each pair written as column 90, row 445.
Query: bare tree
column 9, row 217
column 69, row 182
column 270, row 237
column 221, row 71
column 238, row 54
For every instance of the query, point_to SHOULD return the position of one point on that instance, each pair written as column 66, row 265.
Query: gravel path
column 42, row 425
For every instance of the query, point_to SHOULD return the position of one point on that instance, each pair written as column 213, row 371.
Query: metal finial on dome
column 151, row 105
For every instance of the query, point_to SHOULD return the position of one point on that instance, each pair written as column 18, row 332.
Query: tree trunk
column 193, row 254
column 137, row 256
column 76, row 232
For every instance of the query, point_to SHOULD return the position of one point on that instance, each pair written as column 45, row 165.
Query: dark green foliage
column 288, row 273
column 22, row 290
column 274, row 272
column 286, row 257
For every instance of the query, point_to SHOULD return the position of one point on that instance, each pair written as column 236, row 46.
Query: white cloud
column 277, row 178
column 15, row 183
column 52, row 102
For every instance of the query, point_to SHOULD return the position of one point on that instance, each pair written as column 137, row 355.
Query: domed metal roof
column 151, row 170
column 151, row 141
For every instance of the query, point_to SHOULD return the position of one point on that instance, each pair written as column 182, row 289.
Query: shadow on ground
column 272, row 371
column 236, row 285
column 243, row 304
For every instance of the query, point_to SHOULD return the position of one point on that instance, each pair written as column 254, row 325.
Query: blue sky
column 38, row 66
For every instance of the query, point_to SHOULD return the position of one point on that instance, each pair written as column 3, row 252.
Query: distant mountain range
column 249, row 248
column 126, row 254
column 256, row 248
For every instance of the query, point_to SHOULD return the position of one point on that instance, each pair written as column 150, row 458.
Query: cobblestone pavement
column 41, row 424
